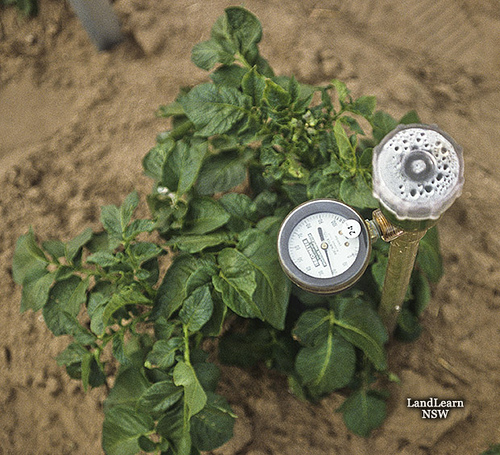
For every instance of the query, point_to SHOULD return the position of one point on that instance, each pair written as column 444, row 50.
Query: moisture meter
column 324, row 246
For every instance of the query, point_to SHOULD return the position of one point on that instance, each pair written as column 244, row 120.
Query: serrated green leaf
column 159, row 397
column 359, row 324
column 194, row 395
column 363, row 411
column 28, row 258
column 214, row 109
column 220, row 173
column 205, row 215
column 213, row 425
column 236, row 283
column 197, row 309
column 122, row 428
column 163, row 353
column 429, row 258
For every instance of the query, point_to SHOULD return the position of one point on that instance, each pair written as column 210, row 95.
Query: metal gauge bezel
column 331, row 285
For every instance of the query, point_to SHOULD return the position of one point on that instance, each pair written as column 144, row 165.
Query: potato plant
column 243, row 150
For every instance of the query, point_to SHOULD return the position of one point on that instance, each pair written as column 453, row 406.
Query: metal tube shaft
column 402, row 254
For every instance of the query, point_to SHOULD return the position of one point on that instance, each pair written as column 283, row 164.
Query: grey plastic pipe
column 99, row 21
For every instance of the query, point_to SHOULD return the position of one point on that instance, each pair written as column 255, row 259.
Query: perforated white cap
column 417, row 172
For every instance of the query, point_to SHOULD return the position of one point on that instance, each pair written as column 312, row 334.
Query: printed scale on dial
column 324, row 246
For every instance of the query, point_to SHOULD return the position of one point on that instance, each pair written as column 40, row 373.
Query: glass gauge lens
column 324, row 246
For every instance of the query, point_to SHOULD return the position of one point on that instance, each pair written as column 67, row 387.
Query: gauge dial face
column 324, row 246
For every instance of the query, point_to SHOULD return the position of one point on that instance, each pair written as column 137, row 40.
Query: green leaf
column 359, row 324
column 197, row 309
column 357, row 192
column 214, row 109
column 111, row 220
column 159, row 397
column 136, row 227
column 364, row 105
column 155, row 159
column 312, row 327
column 129, row 386
column 205, row 215
column 273, row 288
column 346, row 151
column 194, row 395
column 253, row 85
column 127, row 209
column 170, row 110
column 236, row 283
column 242, row 211
column 228, row 75
column 363, row 411
column 55, row 248
column 215, row 325
column 220, row 173
column 213, row 425
column 144, row 251
column 74, row 245
column 383, row 124
column 208, row 374
column 276, row 96
column 85, row 369
column 163, row 353
column 29, row 259
column 429, row 258
column 197, row 243
column 245, row 31
column 122, row 428
column 65, row 300
column 181, row 169
column 103, row 258
column 95, row 310
column 327, row 366
column 126, row 296
column 342, row 91
column 409, row 117
column 207, row 54
column 172, row 291
column 36, row 289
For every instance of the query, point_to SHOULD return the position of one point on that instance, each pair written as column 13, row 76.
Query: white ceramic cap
column 417, row 172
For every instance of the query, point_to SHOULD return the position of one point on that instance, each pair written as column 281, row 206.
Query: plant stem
column 402, row 254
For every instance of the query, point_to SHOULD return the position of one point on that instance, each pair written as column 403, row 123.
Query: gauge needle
column 324, row 246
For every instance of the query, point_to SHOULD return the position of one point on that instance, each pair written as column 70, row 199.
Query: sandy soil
column 75, row 123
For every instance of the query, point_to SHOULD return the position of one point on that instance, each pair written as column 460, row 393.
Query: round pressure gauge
column 324, row 246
